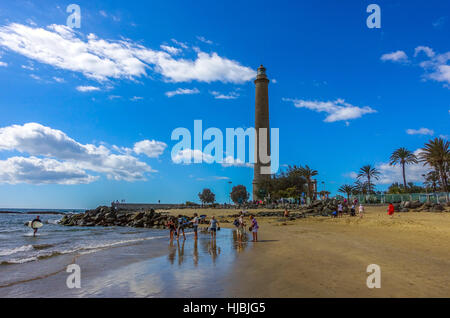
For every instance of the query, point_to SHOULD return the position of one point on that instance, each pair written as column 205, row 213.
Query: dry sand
column 328, row 257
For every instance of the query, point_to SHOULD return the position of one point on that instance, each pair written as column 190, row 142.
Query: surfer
column 33, row 227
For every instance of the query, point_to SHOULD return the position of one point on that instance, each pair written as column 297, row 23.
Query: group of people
column 177, row 228
column 240, row 225
column 344, row 206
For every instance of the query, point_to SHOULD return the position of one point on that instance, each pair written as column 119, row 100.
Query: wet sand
column 325, row 257
column 155, row 268
column 312, row 257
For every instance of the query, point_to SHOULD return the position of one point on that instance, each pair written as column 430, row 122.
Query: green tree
column 403, row 157
column 308, row 173
column 370, row 173
column 207, row 196
column 436, row 154
column 239, row 194
column 347, row 189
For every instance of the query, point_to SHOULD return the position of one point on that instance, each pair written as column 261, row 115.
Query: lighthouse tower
column 261, row 121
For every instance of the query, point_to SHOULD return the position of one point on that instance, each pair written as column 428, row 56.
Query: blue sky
column 87, row 113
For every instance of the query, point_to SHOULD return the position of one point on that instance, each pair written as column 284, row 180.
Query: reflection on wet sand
column 202, row 246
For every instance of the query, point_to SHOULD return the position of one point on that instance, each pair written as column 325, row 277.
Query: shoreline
column 304, row 257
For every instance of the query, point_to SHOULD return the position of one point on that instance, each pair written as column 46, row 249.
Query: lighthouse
column 261, row 121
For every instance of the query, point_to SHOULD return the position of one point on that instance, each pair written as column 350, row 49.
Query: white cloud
column 183, row 45
column 41, row 171
column 436, row 66
column 58, row 79
column 3, row 64
column 64, row 48
column 136, row 98
column 170, row 49
column 427, row 50
column 28, row 67
column 204, row 40
column 397, row 56
column 218, row 95
column 420, row 131
column 182, row 91
column 186, row 156
column 38, row 140
column 151, row 148
column 229, row 161
column 85, row 89
column 35, row 77
column 336, row 110
column 221, row 178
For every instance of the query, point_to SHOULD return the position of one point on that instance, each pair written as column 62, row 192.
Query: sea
column 18, row 245
column 114, row 261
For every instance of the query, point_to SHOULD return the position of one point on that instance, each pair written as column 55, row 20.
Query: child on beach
column 254, row 228
column 361, row 211
column 213, row 225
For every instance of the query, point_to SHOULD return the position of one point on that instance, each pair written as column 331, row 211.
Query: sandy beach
column 307, row 257
column 326, row 257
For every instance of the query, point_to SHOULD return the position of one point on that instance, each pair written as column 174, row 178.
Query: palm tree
column 436, row 154
column 360, row 187
column 307, row 173
column 431, row 180
column 347, row 189
column 368, row 172
column 404, row 157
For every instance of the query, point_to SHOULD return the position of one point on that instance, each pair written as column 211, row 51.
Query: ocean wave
column 85, row 249
column 15, row 250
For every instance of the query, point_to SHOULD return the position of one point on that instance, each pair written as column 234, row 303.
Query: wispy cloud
column 218, row 95
column 420, row 131
column 336, row 110
column 204, row 40
column 86, row 89
column 397, row 56
column 182, row 91
column 100, row 59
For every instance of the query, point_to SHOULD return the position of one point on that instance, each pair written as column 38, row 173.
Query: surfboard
column 34, row 225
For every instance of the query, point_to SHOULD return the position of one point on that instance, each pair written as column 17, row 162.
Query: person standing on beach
column 340, row 209
column 391, row 210
column 254, row 228
column 172, row 228
column 241, row 227
column 361, row 211
column 213, row 226
column 195, row 223
column 180, row 227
